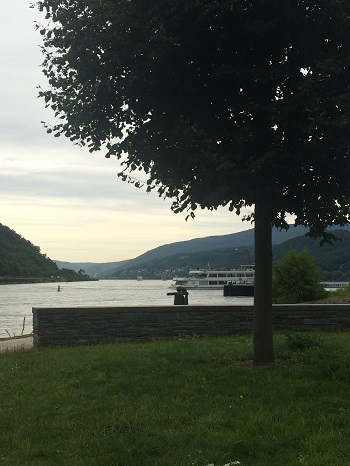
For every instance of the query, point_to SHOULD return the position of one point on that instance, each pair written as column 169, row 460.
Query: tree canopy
column 233, row 103
column 221, row 103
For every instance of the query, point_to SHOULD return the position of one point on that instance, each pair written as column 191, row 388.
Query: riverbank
column 16, row 343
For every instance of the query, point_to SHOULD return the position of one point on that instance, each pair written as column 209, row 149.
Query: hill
column 180, row 248
column 333, row 260
column 227, row 251
column 21, row 259
column 233, row 240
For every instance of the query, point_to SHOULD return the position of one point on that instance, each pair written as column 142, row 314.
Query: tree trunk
column 263, row 351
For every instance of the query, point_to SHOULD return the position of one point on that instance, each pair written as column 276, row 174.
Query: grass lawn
column 181, row 402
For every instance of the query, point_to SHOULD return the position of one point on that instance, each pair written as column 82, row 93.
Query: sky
column 60, row 197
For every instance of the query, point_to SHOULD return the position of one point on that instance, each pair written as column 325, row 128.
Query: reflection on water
column 17, row 301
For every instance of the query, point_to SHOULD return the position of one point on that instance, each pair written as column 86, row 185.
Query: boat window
column 213, row 283
column 213, row 275
column 221, row 274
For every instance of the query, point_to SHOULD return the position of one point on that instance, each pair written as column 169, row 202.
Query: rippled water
column 17, row 301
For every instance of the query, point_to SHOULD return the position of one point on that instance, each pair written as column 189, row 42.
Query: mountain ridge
column 240, row 239
column 333, row 260
column 20, row 258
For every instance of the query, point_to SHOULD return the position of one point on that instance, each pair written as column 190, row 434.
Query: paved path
column 14, row 344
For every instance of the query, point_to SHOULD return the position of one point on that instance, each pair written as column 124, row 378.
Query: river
column 17, row 301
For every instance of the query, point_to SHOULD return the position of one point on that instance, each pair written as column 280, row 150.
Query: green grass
column 181, row 402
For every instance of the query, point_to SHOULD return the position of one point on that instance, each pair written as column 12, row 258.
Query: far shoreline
column 30, row 280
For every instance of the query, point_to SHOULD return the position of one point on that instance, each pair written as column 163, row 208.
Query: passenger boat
column 334, row 285
column 204, row 279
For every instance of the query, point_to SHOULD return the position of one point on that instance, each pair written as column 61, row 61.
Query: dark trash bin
column 180, row 296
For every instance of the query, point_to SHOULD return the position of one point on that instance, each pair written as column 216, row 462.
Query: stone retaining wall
column 81, row 326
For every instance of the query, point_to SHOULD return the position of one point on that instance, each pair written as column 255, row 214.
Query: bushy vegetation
column 181, row 403
column 296, row 279
column 339, row 296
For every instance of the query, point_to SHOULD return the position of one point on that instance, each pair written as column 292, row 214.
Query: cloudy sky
column 60, row 197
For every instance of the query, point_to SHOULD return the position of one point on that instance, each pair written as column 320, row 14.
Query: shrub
column 296, row 279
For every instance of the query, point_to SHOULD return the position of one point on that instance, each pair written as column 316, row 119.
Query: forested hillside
column 167, row 267
column 333, row 260
column 20, row 258
column 230, row 250
column 233, row 240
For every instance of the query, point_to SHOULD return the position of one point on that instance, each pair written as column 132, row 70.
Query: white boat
column 334, row 285
column 204, row 279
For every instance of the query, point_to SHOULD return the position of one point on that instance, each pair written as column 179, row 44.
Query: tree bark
column 263, row 348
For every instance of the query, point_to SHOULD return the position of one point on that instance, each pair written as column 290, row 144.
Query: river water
column 17, row 301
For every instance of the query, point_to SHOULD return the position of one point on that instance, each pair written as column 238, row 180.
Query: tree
column 296, row 278
column 233, row 103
